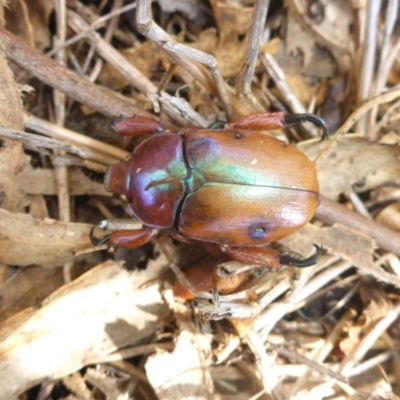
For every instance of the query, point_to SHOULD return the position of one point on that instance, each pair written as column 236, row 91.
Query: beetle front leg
column 137, row 126
column 277, row 120
column 137, row 236
column 126, row 238
column 131, row 238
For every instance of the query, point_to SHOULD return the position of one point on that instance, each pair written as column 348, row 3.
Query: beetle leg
column 180, row 238
column 295, row 119
column 203, row 276
column 137, row 126
column 131, row 238
column 94, row 240
column 276, row 120
column 302, row 262
column 254, row 255
column 270, row 257
column 127, row 238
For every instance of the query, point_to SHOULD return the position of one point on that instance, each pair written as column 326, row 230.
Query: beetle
column 229, row 184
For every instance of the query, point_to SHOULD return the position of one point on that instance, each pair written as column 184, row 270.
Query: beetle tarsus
column 285, row 259
column 295, row 119
column 95, row 241
column 218, row 125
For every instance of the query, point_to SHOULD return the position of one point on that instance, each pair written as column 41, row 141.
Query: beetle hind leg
column 295, row 119
column 275, row 120
column 254, row 255
column 270, row 257
column 286, row 259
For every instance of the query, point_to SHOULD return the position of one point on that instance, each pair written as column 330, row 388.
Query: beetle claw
column 294, row 119
column 95, row 241
column 302, row 262
column 218, row 125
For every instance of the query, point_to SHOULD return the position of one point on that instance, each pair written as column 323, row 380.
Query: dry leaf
column 11, row 152
column 146, row 58
column 39, row 12
column 355, row 162
column 28, row 287
column 26, row 241
column 351, row 245
column 17, row 20
column 78, row 325
column 227, row 44
column 390, row 216
column 180, row 374
column 29, row 19
column 376, row 306
column 319, row 36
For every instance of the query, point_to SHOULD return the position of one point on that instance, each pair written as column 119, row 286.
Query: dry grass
column 77, row 322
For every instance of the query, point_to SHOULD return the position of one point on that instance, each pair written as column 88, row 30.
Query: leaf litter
column 78, row 323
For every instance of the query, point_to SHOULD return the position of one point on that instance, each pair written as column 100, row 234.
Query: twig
column 306, row 361
column 36, row 141
column 113, row 56
column 73, row 85
column 263, row 362
column 61, row 171
column 111, row 27
column 91, row 28
column 390, row 22
column 373, row 362
column 106, row 153
column 367, row 63
column 243, row 81
column 295, row 300
column 383, row 62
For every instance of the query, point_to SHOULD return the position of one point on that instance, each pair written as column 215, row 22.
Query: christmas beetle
column 228, row 184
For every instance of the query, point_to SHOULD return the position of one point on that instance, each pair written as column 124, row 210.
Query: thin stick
column 73, row 85
column 61, row 171
column 306, row 361
column 113, row 56
column 36, row 141
column 368, row 58
column 91, row 28
column 278, row 76
column 243, row 81
column 111, row 154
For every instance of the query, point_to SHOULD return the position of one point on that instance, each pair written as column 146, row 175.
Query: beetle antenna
column 295, row 119
column 302, row 262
